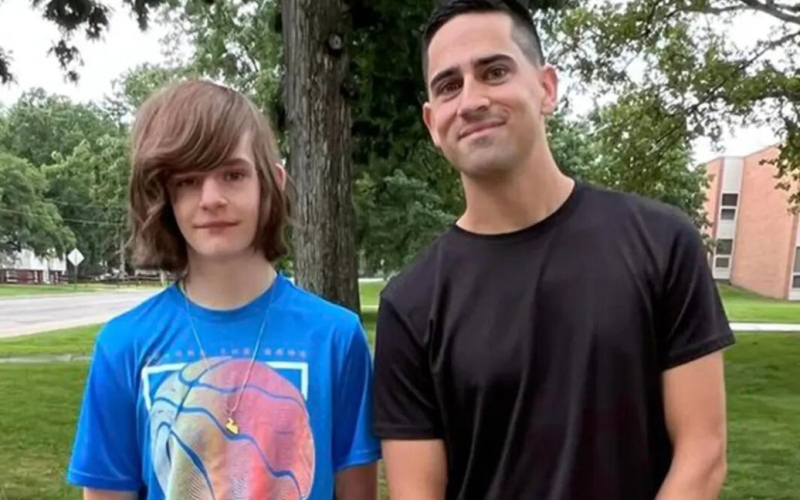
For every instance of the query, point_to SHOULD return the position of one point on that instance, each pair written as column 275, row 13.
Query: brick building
column 757, row 235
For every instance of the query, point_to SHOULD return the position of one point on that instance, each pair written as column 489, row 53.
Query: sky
column 25, row 34
column 28, row 37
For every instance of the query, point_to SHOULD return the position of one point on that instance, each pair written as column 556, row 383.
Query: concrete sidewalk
column 765, row 327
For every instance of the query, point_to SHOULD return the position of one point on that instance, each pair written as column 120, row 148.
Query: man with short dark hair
column 560, row 340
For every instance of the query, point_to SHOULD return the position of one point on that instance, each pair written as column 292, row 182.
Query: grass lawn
column 41, row 404
column 746, row 306
column 40, row 407
column 370, row 292
column 763, row 377
column 78, row 340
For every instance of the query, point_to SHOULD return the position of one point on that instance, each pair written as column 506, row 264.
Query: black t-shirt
column 537, row 355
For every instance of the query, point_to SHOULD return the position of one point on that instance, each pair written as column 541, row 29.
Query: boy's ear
column 280, row 174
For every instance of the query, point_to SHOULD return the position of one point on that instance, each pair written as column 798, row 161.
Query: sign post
column 75, row 257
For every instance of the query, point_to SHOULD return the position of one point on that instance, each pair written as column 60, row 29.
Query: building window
column 722, row 259
column 730, row 200
column 796, row 269
column 729, row 203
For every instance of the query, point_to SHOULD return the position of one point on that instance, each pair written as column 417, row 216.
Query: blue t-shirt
column 154, row 415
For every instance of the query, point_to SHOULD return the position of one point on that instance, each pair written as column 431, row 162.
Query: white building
column 26, row 267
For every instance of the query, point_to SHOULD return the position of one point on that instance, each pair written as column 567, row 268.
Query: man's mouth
column 478, row 127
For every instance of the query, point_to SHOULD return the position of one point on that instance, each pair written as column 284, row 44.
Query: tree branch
column 718, row 10
column 649, row 21
column 5, row 68
column 774, row 10
column 713, row 93
column 785, row 6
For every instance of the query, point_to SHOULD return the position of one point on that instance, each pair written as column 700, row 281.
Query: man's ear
column 427, row 117
column 550, row 85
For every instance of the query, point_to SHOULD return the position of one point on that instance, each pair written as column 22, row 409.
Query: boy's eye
column 234, row 176
column 185, row 182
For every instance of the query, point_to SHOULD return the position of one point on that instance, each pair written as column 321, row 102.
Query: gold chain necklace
column 230, row 424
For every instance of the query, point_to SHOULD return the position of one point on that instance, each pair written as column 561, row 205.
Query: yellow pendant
column 231, row 426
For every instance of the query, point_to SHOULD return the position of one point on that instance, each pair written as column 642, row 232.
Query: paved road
column 28, row 315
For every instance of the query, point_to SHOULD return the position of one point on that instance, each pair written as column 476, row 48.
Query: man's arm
column 90, row 494
column 694, row 406
column 415, row 469
column 357, row 483
column 407, row 415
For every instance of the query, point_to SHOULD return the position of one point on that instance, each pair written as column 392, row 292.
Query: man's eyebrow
column 487, row 60
column 479, row 62
column 443, row 75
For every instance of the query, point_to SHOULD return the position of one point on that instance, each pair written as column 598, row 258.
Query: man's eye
column 449, row 87
column 497, row 73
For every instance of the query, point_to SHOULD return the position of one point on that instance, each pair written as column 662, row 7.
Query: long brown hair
column 190, row 126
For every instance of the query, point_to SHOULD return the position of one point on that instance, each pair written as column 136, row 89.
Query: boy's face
column 217, row 211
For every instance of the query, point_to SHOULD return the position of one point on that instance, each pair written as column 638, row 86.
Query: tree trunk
column 315, row 38
column 122, row 261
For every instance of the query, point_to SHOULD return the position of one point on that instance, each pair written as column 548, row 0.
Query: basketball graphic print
column 194, row 455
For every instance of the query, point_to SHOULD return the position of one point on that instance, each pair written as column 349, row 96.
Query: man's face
column 217, row 211
column 486, row 98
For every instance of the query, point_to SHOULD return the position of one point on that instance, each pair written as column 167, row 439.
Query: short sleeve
column 692, row 321
column 405, row 400
column 353, row 441
column 105, row 452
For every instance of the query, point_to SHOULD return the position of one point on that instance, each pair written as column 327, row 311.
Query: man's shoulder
column 619, row 207
column 420, row 271
column 411, row 291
